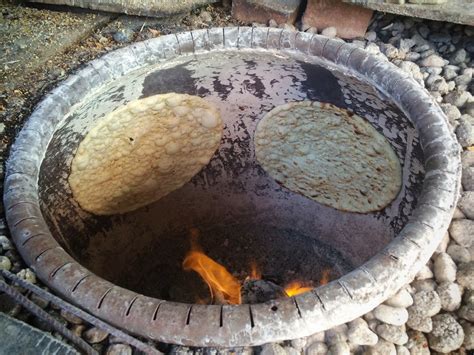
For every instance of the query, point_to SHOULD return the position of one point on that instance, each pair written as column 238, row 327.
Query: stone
column 444, row 268
column 124, row 35
column 467, row 159
column 372, row 48
column 280, row 11
column 287, row 26
column 291, row 351
column 469, row 108
column 391, row 315
column 451, row 111
column 360, row 334
column 40, row 302
column 463, row 80
column 458, row 57
column 390, row 51
column 339, row 348
column 468, row 329
column 465, row 275
column 5, row 243
column 450, row 295
column 5, row 263
column 27, row 275
column 419, row 322
column 272, row 349
column 330, row 32
column 459, row 253
column 118, row 349
column 424, row 285
column 402, row 350
column 205, row 17
column 426, row 303
column 458, row 215
column 462, row 231
column 71, row 318
column 95, row 335
column 467, row 312
column 457, row 98
column 317, row 348
column 465, row 132
column 424, row 273
column 417, row 343
column 432, row 60
column 383, row 347
column 78, row 329
column 323, row 14
column 336, row 334
column 299, row 344
column 370, row 36
column 447, row 334
column 450, row 72
column 443, row 245
column 401, row 299
column 468, row 179
column 393, row 333
column 316, row 338
column 272, row 23
column 412, row 56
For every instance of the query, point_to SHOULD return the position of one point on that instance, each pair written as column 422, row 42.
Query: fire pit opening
column 153, row 269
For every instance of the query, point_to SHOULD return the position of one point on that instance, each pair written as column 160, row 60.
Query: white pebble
column 391, row 315
column 401, row 299
column 444, row 268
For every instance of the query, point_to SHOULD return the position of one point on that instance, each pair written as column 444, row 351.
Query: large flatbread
column 329, row 155
column 141, row 152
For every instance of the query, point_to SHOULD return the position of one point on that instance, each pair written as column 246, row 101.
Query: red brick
column 351, row 21
column 261, row 11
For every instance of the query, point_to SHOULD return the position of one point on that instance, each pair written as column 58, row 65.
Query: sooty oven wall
column 232, row 194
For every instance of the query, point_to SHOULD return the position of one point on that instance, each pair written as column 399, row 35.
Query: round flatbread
column 141, row 152
column 329, row 155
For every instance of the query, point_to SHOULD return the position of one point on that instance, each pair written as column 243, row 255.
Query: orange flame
column 255, row 273
column 221, row 283
column 295, row 288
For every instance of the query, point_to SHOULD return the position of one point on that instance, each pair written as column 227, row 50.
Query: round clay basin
column 94, row 261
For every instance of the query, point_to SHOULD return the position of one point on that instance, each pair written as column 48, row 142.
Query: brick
column 351, row 21
column 282, row 11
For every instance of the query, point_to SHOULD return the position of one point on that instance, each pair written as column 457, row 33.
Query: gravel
column 391, row 315
column 447, row 334
column 444, row 268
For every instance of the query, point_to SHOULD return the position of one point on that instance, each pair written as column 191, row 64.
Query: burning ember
column 223, row 286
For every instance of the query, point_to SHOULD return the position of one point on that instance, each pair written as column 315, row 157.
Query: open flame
column 225, row 288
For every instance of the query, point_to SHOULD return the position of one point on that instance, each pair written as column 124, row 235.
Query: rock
column 370, row 36
column 118, row 349
column 424, row 273
column 316, row 338
column 458, row 57
column 424, row 285
column 451, row 111
column 468, row 329
column 402, row 350
column 372, row 48
column 124, row 35
column 322, row 14
column 389, row 50
column 5, row 263
column 360, row 334
column 287, row 26
column 71, row 318
column 419, row 322
column 312, row 30
column 383, row 347
column 458, row 215
column 272, row 23
column 459, row 254
column 467, row 159
column 391, row 315
column 440, row 85
column 206, row 17
column 95, row 335
column 468, row 178
column 450, row 72
column 443, row 245
column 444, row 268
column 426, row 303
column 257, row 11
column 461, row 231
column 467, row 312
column 299, row 344
column 433, row 60
column 291, row 351
column 5, row 243
column 339, row 348
column 401, row 299
column 465, row 132
column 336, row 334
column 40, row 302
column 417, row 343
column 317, row 348
column 463, row 80
column 27, row 275
column 330, row 32
column 465, row 275
column 450, row 296
column 412, row 56
column 469, row 107
column 447, row 334
column 78, row 329
column 457, row 98
column 393, row 333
